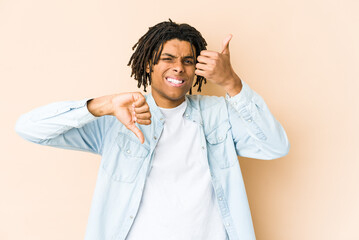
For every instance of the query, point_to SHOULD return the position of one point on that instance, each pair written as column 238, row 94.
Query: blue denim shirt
column 241, row 125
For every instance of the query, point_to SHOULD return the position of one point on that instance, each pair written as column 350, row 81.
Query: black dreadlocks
column 149, row 49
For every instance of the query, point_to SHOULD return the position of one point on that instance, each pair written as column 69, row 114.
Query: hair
column 149, row 48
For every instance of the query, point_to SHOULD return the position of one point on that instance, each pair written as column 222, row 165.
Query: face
column 173, row 75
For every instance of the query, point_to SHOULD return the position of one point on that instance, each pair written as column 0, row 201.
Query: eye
column 189, row 62
column 166, row 59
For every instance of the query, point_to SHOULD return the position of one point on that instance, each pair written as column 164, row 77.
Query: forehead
column 178, row 47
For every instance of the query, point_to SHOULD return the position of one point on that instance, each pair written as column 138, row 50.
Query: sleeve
column 256, row 133
column 67, row 125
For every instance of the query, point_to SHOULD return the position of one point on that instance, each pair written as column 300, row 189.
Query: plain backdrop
column 302, row 57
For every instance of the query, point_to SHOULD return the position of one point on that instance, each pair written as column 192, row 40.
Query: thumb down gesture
column 131, row 108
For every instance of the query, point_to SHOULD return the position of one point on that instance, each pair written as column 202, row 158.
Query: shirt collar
column 191, row 112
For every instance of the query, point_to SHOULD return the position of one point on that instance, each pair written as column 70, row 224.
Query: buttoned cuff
column 241, row 103
column 242, row 99
column 84, row 114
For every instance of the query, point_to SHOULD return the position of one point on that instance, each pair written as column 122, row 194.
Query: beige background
column 302, row 57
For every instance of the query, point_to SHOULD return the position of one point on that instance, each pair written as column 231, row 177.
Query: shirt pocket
column 218, row 141
column 125, row 158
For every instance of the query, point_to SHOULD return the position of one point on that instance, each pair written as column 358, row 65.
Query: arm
column 256, row 133
column 80, row 125
column 66, row 125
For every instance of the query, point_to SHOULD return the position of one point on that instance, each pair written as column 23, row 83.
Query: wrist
column 101, row 106
column 233, row 85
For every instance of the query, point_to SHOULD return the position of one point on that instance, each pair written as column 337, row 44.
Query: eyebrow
column 170, row 55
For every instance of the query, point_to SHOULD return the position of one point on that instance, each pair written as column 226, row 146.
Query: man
column 169, row 166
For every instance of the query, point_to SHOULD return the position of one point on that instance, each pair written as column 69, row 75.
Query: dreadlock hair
column 150, row 45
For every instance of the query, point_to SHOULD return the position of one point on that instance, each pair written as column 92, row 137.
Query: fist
column 130, row 108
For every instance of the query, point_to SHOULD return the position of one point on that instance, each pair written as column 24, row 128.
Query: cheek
column 190, row 72
column 161, row 70
column 157, row 72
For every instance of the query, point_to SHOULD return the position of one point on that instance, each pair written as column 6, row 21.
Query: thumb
column 137, row 132
column 225, row 44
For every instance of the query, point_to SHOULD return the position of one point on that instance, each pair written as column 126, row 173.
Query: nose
column 178, row 67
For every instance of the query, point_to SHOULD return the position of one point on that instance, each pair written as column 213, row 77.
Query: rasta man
column 169, row 166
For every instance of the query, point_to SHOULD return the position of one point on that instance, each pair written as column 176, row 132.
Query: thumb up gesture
column 216, row 67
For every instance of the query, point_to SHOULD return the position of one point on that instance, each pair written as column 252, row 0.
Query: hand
column 130, row 108
column 216, row 67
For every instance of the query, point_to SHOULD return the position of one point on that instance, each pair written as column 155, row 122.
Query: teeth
column 175, row 81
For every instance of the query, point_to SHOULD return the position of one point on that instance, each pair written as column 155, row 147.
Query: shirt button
column 128, row 151
column 228, row 224
column 220, row 138
column 161, row 119
column 131, row 217
column 249, row 120
column 186, row 115
column 220, row 199
column 235, row 103
column 202, row 147
column 155, row 137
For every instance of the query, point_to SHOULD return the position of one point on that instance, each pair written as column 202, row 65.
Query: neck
column 167, row 103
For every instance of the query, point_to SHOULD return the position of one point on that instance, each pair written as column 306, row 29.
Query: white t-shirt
column 178, row 202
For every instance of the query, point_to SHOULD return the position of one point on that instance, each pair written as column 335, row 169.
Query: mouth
column 174, row 81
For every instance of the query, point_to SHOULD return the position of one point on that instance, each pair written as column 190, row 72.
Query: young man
column 169, row 166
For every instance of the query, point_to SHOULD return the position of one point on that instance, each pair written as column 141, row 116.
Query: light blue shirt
column 240, row 125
